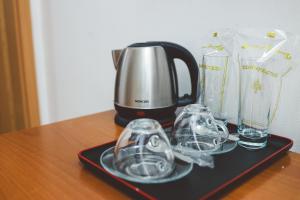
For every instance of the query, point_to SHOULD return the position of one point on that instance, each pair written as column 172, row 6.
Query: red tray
column 201, row 183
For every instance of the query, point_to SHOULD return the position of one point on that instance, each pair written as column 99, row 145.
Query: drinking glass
column 214, row 79
column 257, row 84
column 143, row 151
column 196, row 131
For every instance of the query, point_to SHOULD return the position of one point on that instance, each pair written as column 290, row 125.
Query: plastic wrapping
column 201, row 159
column 275, row 49
column 216, row 71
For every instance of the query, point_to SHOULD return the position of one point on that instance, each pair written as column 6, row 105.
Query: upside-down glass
column 143, row 151
column 196, row 131
column 214, row 81
column 255, row 101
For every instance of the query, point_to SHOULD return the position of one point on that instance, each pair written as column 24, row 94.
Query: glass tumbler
column 143, row 151
column 214, row 79
column 255, row 100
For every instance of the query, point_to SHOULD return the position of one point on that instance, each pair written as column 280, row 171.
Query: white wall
column 73, row 42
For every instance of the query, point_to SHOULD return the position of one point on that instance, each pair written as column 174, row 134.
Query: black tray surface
column 201, row 183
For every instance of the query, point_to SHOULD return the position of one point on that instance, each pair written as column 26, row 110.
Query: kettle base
column 165, row 122
column 165, row 116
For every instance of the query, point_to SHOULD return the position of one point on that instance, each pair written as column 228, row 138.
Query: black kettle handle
column 177, row 51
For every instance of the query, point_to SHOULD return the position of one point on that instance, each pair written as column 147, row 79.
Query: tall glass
column 214, row 79
column 255, row 100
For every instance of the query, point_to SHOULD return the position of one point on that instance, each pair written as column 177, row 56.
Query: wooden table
column 41, row 163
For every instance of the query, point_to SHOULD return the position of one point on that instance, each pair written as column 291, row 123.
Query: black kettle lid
column 147, row 44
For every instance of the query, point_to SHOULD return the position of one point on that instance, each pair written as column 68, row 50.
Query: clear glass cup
column 214, row 82
column 255, row 101
column 143, row 151
column 196, row 131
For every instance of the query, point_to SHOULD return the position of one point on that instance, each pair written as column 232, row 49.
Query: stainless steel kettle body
column 146, row 80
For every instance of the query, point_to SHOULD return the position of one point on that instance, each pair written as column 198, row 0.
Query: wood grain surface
column 41, row 163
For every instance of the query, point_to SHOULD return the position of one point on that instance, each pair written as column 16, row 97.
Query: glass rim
column 216, row 56
column 250, row 58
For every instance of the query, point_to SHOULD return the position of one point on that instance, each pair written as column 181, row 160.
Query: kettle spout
column 116, row 54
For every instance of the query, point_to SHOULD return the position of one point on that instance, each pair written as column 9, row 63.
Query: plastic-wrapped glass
column 265, row 58
column 143, row 151
column 215, row 68
column 275, row 50
column 256, row 91
column 214, row 72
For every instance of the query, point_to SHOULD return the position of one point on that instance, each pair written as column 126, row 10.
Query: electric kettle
column 146, row 83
